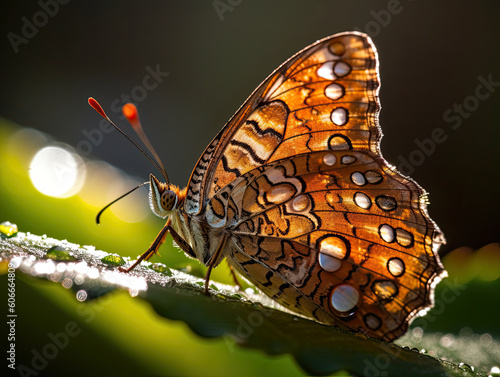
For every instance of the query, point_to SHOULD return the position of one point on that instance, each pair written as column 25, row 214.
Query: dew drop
column 494, row 371
column 249, row 291
column 466, row 367
column 161, row 268
column 113, row 260
column 7, row 229
column 59, row 253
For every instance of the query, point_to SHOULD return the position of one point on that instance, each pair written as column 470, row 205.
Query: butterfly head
column 163, row 197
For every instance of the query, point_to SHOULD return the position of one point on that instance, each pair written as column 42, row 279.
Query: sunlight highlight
column 56, row 172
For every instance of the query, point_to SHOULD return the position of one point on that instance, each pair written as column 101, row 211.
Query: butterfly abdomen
column 203, row 238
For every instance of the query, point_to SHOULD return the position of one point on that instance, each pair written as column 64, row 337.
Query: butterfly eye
column 168, row 200
column 162, row 200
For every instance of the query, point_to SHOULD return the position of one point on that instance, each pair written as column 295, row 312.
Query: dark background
column 432, row 54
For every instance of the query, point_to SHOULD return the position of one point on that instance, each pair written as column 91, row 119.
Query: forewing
column 324, row 97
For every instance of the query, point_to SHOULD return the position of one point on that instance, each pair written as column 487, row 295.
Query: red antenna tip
column 130, row 112
column 95, row 105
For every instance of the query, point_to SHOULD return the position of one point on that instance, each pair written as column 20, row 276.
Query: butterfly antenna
column 98, row 217
column 130, row 112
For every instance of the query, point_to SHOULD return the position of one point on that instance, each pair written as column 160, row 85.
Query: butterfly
column 294, row 193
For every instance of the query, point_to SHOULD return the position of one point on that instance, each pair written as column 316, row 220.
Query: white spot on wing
column 329, row 159
column 362, row 200
column 334, row 91
column 358, row 178
column 339, row 116
column 396, row 267
column 329, row 263
column 341, row 69
column 387, row 233
column 326, row 71
column 344, row 298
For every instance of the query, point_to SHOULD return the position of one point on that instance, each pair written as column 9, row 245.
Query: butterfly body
column 296, row 195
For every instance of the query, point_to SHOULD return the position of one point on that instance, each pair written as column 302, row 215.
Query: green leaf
column 250, row 319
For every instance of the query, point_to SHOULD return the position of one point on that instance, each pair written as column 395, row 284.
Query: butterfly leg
column 160, row 238
column 182, row 243
column 213, row 261
column 235, row 277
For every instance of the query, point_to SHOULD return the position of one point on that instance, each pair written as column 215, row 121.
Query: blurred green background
column 433, row 57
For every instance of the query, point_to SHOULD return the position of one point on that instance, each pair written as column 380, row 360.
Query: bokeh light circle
column 54, row 171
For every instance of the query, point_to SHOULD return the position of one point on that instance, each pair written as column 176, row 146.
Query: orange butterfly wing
column 317, row 219
column 294, row 91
